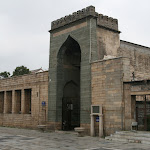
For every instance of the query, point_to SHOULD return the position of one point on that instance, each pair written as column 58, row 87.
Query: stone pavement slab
column 26, row 139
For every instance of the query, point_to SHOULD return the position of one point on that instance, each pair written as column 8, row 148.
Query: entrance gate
column 70, row 113
column 68, row 83
column 143, row 113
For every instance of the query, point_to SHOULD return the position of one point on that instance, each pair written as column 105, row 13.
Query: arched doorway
column 68, row 83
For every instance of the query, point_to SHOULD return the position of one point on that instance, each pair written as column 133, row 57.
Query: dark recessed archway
column 68, row 83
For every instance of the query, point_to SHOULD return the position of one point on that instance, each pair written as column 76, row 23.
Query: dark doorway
column 68, row 77
column 71, row 107
column 143, row 112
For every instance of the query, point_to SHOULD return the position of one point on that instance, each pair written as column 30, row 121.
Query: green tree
column 4, row 74
column 21, row 70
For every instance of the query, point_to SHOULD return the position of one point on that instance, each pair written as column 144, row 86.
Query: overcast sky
column 24, row 25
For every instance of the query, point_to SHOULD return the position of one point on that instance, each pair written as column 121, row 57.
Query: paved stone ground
column 25, row 139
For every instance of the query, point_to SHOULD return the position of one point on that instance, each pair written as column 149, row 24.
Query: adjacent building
column 21, row 100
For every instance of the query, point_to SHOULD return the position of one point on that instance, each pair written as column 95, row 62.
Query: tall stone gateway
column 76, row 41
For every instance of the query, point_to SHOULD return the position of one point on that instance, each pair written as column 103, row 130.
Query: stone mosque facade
column 95, row 81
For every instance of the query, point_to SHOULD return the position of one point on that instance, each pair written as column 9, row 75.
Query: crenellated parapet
column 103, row 21
column 74, row 17
column 107, row 22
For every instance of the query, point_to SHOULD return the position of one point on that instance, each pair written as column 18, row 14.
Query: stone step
column 127, row 140
column 130, row 136
column 111, row 138
column 134, row 133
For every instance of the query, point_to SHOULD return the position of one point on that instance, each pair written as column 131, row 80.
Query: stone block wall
column 97, row 35
column 80, row 32
column 139, row 60
column 127, row 107
column 134, row 91
column 108, row 43
column 102, row 20
column 17, row 94
column 107, row 90
column 1, row 102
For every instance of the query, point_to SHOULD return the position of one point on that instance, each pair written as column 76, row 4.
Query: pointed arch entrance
column 68, row 83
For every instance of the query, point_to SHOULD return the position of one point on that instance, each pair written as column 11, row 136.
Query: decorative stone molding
column 107, row 22
column 73, row 17
column 103, row 21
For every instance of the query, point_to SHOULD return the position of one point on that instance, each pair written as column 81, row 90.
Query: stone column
column 92, row 125
column 5, row 103
column 22, row 101
column 128, row 108
column 13, row 102
column 100, row 125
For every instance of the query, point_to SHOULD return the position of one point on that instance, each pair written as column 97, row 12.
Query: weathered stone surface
column 107, row 86
column 102, row 21
column 38, row 83
column 139, row 60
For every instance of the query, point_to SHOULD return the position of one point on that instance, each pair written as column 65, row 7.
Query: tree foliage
column 4, row 74
column 21, row 70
